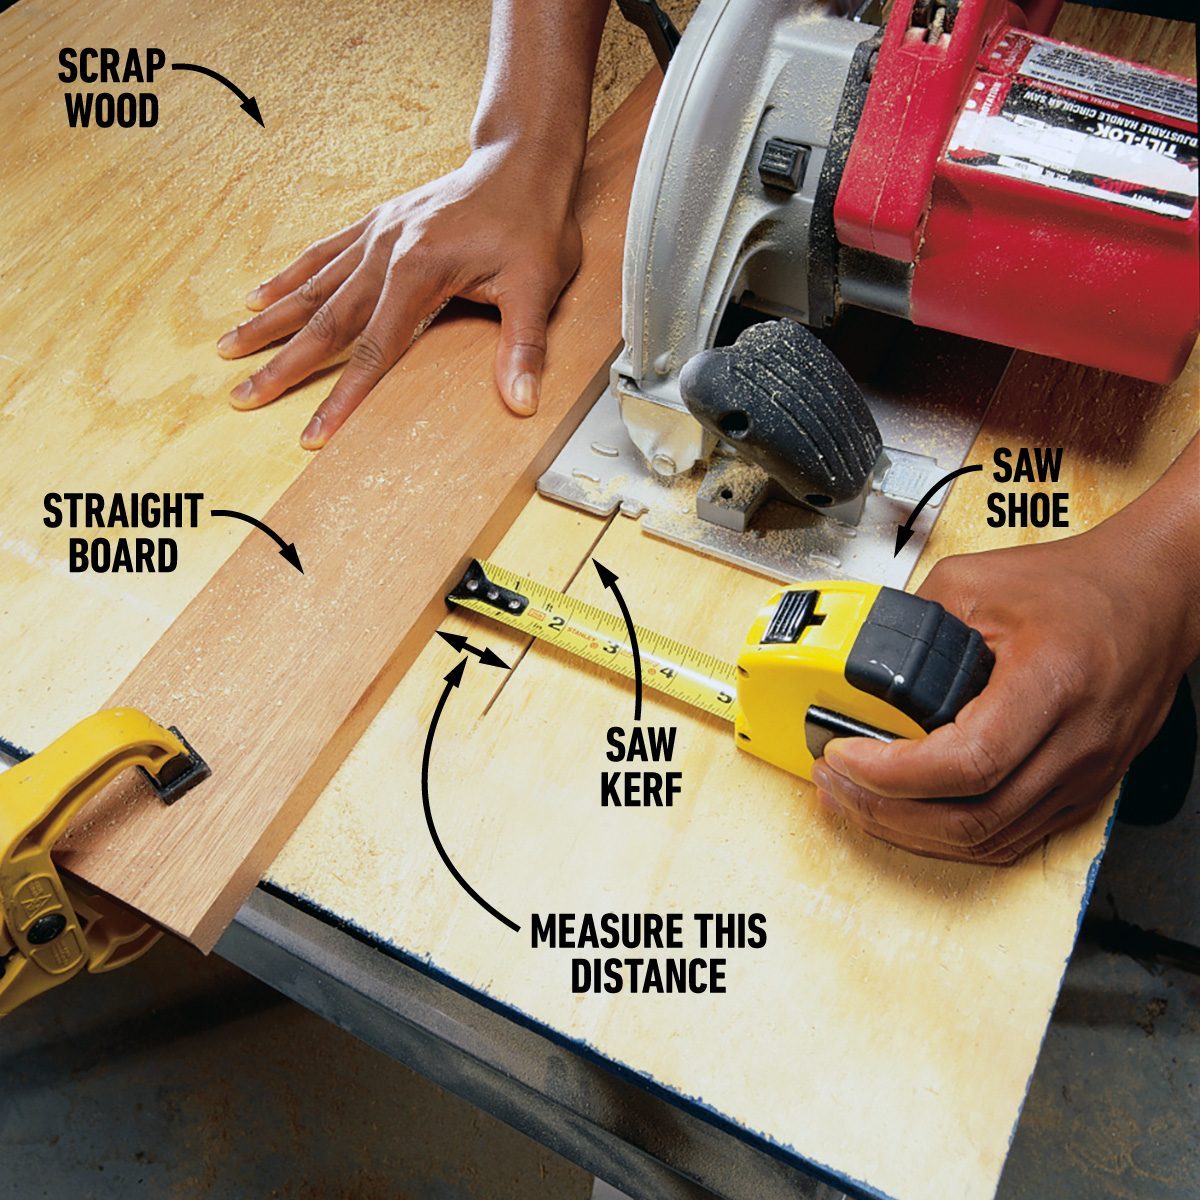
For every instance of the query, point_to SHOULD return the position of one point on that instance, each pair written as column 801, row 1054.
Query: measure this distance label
column 649, row 953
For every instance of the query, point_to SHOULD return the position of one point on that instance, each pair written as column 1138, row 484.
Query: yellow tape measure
column 821, row 660
column 598, row 637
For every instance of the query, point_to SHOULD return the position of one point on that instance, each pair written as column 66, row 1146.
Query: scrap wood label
column 640, row 938
column 116, row 103
column 105, row 95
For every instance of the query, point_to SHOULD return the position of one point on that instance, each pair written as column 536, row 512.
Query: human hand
column 499, row 230
column 1090, row 644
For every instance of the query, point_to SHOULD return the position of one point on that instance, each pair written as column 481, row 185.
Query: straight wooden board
column 274, row 675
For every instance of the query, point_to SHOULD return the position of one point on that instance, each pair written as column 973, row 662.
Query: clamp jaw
column 51, row 929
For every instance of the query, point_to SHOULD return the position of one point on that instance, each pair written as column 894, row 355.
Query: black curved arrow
column 287, row 549
column 249, row 104
column 904, row 532
column 610, row 581
column 487, row 656
column 453, row 679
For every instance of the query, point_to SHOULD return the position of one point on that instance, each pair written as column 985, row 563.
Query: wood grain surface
column 125, row 254
column 276, row 676
column 888, row 1029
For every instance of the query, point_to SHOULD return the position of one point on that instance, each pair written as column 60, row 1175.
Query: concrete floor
column 182, row 1078
column 1114, row 1107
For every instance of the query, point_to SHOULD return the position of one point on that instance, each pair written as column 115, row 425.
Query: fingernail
column 525, row 393
column 254, row 297
column 312, row 438
column 227, row 342
column 242, row 392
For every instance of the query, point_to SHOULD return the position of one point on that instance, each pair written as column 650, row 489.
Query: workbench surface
column 887, row 1030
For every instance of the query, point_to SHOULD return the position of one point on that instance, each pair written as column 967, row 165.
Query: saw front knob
column 785, row 403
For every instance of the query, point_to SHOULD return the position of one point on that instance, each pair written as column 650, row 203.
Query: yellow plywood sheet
column 889, row 1026
column 888, row 1029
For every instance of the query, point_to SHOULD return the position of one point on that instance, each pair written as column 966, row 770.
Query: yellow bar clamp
column 50, row 930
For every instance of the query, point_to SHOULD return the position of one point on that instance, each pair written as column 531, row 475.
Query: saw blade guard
column 709, row 222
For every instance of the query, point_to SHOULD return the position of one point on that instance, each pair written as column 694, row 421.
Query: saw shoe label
column 1024, row 509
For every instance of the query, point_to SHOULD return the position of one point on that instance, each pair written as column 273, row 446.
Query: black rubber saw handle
column 785, row 402
column 659, row 29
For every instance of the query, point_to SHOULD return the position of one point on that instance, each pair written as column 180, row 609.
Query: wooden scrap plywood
column 124, row 256
column 126, row 253
column 888, row 1029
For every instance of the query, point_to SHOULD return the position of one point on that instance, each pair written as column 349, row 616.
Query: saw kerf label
column 640, row 788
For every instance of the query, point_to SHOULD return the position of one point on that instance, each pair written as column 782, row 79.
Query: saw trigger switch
column 783, row 164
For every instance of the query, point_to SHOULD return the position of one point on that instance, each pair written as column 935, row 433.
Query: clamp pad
column 179, row 774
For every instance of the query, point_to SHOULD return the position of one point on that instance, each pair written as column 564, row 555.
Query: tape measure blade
column 598, row 636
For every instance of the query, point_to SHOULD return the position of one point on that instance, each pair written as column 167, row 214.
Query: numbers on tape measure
column 599, row 637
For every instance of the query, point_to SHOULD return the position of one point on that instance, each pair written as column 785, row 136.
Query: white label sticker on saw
column 1080, row 122
column 1110, row 79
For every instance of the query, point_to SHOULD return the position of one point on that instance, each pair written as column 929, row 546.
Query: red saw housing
column 1045, row 195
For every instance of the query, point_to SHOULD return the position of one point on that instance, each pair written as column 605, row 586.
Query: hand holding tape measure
column 821, row 660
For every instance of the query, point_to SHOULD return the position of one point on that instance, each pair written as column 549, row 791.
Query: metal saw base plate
column 928, row 392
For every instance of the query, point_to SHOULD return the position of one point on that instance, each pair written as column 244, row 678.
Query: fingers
column 304, row 267
column 1061, row 816
column 330, row 330
column 386, row 337
column 1050, row 819
column 996, row 829
column 521, row 352
column 294, row 311
column 988, row 739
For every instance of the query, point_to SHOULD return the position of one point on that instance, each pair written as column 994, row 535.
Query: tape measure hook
column 475, row 585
